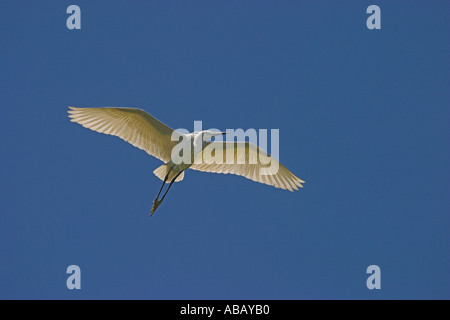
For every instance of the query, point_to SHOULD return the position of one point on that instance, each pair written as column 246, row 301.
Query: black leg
column 164, row 182
column 157, row 202
column 171, row 182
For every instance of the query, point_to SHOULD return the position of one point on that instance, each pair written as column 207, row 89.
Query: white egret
column 147, row 133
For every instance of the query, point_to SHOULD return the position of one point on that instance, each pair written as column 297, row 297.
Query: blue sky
column 363, row 118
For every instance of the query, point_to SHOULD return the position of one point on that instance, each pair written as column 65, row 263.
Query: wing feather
column 132, row 125
column 246, row 163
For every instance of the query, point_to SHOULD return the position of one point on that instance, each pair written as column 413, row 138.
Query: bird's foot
column 155, row 206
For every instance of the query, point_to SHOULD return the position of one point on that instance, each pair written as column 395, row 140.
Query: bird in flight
column 149, row 134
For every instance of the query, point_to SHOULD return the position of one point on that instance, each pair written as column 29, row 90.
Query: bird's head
column 208, row 134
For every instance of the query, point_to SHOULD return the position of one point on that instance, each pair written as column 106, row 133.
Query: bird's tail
column 161, row 173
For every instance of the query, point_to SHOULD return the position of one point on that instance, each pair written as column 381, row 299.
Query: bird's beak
column 224, row 133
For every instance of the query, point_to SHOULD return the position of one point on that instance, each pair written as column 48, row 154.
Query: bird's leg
column 164, row 182
column 173, row 180
column 157, row 202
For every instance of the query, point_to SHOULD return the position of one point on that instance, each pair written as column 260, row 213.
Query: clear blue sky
column 363, row 118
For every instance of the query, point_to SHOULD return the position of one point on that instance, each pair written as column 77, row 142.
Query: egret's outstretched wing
column 247, row 160
column 132, row 125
